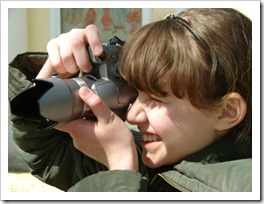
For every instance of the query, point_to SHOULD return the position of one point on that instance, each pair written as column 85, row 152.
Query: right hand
column 68, row 54
column 108, row 140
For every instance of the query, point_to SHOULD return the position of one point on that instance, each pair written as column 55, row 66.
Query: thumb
column 101, row 111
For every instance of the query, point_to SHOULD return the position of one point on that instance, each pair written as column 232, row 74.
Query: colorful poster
column 120, row 22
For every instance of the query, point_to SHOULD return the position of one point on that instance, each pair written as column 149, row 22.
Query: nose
column 136, row 113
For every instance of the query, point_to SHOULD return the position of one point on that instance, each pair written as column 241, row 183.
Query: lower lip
column 149, row 143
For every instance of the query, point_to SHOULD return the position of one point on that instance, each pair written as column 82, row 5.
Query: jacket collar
column 225, row 149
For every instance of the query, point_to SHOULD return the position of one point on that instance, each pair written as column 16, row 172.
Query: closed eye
column 155, row 99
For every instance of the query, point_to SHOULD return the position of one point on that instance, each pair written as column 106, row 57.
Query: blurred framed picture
column 120, row 22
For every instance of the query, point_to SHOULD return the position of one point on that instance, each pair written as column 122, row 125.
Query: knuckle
column 58, row 67
column 62, row 37
column 74, row 31
column 55, row 59
column 66, row 56
column 84, row 65
column 76, row 39
column 112, row 117
column 90, row 27
column 55, row 63
column 51, row 44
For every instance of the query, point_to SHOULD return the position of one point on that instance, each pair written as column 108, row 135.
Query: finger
column 46, row 71
column 78, row 45
column 67, row 55
column 54, row 57
column 93, row 39
column 74, row 126
column 97, row 105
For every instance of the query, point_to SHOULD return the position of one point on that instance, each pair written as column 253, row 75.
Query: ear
column 232, row 111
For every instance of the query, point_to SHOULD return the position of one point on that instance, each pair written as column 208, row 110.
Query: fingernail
column 98, row 49
column 85, row 92
column 87, row 69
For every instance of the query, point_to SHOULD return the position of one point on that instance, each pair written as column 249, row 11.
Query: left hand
column 68, row 53
column 107, row 140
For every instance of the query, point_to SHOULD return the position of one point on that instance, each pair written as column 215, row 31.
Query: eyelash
column 155, row 100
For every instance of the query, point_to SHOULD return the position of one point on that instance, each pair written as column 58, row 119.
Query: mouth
column 150, row 138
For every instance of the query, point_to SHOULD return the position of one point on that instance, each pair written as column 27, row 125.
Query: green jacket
column 53, row 159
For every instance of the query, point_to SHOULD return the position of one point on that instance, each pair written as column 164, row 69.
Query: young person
column 193, row 110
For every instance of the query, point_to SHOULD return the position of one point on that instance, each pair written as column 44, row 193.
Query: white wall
column 17, row 32
column 17, row 43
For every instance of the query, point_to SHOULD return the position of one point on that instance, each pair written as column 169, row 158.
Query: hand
column 68, row 54
column 107, row 140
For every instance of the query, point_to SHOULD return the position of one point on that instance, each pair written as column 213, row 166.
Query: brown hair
column 202, row 55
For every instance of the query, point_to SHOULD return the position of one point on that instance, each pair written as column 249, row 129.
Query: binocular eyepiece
column 53, row 101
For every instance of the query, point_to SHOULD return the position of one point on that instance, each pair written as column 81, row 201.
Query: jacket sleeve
column 116, row 180
column 112, row 181
column 49, row 153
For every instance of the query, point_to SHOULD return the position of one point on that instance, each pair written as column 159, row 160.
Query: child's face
column 171, row 128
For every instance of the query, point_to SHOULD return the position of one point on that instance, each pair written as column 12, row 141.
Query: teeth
column 150, row 138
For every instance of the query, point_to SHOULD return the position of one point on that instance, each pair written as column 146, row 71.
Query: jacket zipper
column 167, row 180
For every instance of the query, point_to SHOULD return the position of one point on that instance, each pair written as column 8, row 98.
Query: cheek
column 162, row 123
column 191, row 121
column 184, row 130
column 190, row 134
column 183, row 133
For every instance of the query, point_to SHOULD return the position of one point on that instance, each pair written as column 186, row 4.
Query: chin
column 150, row 162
